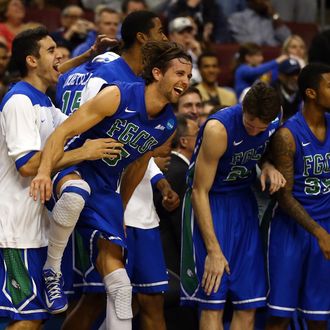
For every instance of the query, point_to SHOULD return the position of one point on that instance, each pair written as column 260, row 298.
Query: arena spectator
column 296, row 10
column 12, row 13
column 181, row 31
column 107, row 22
column 209, row 69
column 287, row 87
column 258, row 23
column 190, row 104
column 211, row 22
column 250, row 67
column 74, row 28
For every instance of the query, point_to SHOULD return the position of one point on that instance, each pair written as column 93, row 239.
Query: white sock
column 65, row 215
column 119, row 300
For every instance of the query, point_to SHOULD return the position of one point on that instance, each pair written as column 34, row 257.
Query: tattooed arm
column 283, row 149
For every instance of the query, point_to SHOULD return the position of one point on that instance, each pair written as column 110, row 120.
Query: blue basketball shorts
column 299, row 274
column 145, row 263
column 235, row 221
column 102, row 217
column 22, row 284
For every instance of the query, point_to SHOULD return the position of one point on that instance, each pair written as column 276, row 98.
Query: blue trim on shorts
column 23, row 160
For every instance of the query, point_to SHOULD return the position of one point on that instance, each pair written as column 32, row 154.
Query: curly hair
column 158, row 54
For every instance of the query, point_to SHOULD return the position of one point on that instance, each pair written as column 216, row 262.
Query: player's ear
column 141, row 38
column 310, row 93
column 183, row 142
column 157, row 73
column 31, row 61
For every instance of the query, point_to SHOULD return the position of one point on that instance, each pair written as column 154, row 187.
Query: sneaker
column 55, row 297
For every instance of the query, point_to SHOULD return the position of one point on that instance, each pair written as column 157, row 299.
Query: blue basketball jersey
column 71, row 84
column 131, row 126
column 116, row 70
column 236, row 168
column 311, row 167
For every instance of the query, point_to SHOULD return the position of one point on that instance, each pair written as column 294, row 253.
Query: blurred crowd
column 199, row 25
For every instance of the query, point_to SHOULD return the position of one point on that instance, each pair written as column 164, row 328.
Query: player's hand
column 101, row 148
column 275, row 178
column 102, row 43
column 215, row 265
column 324, row 243
column 41, row 185
column 170, row 200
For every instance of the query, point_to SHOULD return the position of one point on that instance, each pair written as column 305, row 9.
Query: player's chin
column 174, row 97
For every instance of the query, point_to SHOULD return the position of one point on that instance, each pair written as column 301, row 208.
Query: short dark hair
column 124, row 5
column 249, row 48
column 158, row 54
column 189, row 90
column 310, row 77
column 262, row 102
column 206, row 54
column 138, row 21
column 181, row 129
column 192, row 90
column 26, row 43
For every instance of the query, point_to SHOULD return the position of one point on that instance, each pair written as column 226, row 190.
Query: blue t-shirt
column 246, row 75
column 236, row 168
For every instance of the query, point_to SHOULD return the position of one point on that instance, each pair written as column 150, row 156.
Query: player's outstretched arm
column 213, row 147
column 101, row 44
column 88, row 115
column 91, row 150
column 283, row 150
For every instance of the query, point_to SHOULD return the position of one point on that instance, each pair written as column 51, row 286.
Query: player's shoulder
column 25, row 91
column 106, row 69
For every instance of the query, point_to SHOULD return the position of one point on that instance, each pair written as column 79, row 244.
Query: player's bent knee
column 119, row 290
column 73, row 196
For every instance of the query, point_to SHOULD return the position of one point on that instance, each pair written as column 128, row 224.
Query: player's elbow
column 197, row 193
column 27, row 171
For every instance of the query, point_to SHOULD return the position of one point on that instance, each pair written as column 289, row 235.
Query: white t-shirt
column 140, row 211
column 27, row 118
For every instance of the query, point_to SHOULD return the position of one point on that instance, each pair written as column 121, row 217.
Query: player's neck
column 133, row 58
column 314, row 115
column 36, row 82
column 154, row 101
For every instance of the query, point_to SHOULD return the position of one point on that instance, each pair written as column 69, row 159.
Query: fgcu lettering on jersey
column 131, row 126
column 312, row 168
column 236, row 168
